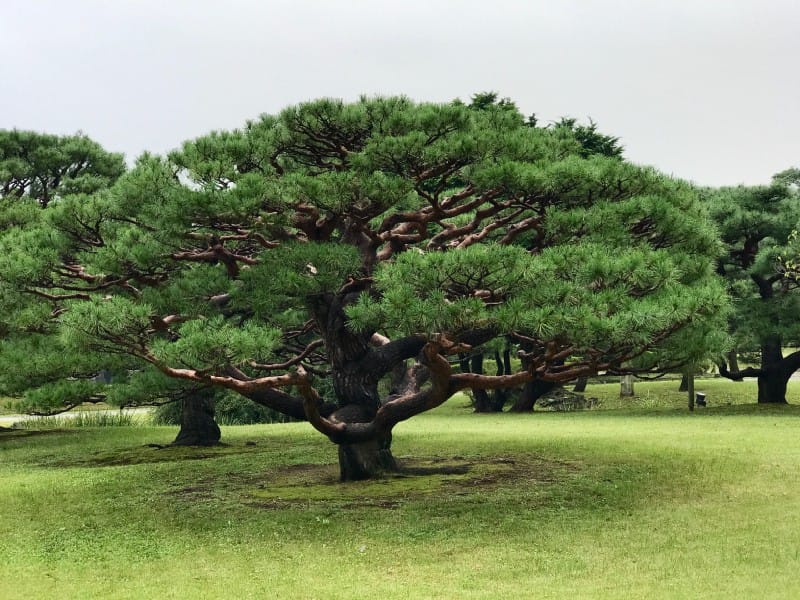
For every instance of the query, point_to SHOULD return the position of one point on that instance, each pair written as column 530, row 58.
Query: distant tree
column 36, row 170
column 45, row 167
column 363, row 247
column 756, row 224
column 591, row 140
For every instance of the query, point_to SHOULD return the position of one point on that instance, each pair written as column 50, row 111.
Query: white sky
column 707, row 90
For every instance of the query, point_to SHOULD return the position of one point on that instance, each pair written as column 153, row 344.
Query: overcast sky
column 707, row 90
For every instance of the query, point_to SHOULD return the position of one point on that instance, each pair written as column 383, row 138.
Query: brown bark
column 531, row 392
column 198, row 427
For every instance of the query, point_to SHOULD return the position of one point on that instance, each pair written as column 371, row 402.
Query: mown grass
column 596, row 504
column 663, row 394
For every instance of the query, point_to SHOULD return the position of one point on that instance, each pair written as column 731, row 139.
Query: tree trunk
column 626, row 386
column 480, row 398
column 580, row 384
column 772, row 387
column 198, row 427
column 733, row 360
column 531, row 392
column 774, row 373
column 363, row 460
column 366, row 460
column 484, row 401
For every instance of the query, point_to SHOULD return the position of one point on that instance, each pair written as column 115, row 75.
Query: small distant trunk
column 684, row 386
column 532, row 391
column 626, row 386
column 482, row 400
column 198, row 427
column 689, row 377
column 580, row 384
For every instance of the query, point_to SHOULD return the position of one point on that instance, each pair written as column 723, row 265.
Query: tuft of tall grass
column 84, row 419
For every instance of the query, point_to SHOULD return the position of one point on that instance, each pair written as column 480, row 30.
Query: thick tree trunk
column 366, row 460
column 775, row 373
column 772, row 387
column 363, row 460
column 198, row 427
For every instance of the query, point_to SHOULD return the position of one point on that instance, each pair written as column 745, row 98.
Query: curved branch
column 738, row 375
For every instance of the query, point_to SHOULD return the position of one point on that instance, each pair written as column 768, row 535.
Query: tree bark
column 530, row 393
column 733, row 360
column 198, row 427
column 775, row 373
column 366, row 460
column 488, row 401
column 772, row 387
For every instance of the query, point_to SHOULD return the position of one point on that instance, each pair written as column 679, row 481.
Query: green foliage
column 756, row 224
column 213, row 343
column 287, row 276
column 82, row 419
column 60, row 395
column 230, row 409
column 48, row 167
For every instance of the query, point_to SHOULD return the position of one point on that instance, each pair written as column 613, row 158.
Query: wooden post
column 626, row 386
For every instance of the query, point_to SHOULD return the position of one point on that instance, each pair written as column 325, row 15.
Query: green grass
column 663, row 394
column 597, row 504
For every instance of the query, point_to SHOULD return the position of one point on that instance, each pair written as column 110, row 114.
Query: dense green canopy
column 335, row 246
column 757, row 224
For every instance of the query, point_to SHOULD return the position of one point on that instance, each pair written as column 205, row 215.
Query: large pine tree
column 313, row 255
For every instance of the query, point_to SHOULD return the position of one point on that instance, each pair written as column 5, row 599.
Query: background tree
column 37, row 171
column 756, row 224
column 45, row 167
column 360, row 247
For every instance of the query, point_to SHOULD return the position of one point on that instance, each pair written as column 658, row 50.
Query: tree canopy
column 756, row 224
column 331, row 261
column 44, row 167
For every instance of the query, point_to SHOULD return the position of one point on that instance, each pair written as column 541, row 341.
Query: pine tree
column 756, row 224
column 314, row 256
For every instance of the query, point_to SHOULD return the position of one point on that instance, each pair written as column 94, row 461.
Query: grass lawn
column 629, row 503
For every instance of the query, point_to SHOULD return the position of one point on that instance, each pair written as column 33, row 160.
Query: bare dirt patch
column 417, row 479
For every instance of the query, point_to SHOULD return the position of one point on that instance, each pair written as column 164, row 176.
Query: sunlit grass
column 598, row 504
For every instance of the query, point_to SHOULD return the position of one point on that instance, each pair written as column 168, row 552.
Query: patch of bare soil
column 417, row 479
